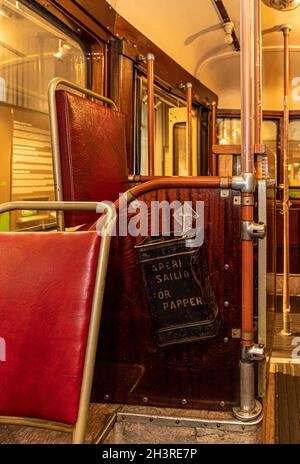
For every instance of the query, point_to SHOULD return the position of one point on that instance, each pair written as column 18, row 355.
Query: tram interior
column 189, row 337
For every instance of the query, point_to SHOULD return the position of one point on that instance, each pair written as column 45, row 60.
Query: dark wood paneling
column 288, row 405
column 126, row 105
column 98, row 62
column 167, row 69
column 74, row 17
column 100, row 11
column 294, row 239
column 236, row 113
column 130, row 366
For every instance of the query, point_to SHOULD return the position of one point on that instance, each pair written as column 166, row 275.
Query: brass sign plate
column 179, row 291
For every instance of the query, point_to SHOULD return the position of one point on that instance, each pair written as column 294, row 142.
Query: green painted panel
column 4, row 222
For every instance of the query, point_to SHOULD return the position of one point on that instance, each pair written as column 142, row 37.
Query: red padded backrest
column 93, row 153
column 46, row 290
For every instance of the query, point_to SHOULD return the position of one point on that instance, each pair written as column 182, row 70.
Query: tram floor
column 281, row 424
column 139, row 433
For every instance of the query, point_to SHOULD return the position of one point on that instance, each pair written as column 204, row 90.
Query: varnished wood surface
column 288, row 404
column 283, row 346
column 130, row 368
column 236, row 149
column 99, row 414
column 282, row 402
column 269, row 422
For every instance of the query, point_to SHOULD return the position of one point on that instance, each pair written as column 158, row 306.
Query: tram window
column 180, row 166
column 294, row 157
column 229, row 133
column 164, row 103
column 32, row 52
column 270, row 134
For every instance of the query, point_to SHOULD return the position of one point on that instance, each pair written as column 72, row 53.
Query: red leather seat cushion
column 93, row 153
column 46, row 291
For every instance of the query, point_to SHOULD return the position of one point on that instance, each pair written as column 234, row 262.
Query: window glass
column 163, row 103
column 229, row 133
column 294, row 155
column 180, row 155
column 32, row 52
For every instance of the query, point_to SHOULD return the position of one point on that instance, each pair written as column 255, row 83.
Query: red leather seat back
column 93, row 153
column 46, row 291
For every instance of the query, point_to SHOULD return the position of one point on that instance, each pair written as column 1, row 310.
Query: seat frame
column 52, row 89
column 79, row 429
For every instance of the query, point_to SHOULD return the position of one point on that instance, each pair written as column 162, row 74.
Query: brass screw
column 145, row 399
column 226, row 304
column 184, row 402
column 226, row 340
column 106, row 397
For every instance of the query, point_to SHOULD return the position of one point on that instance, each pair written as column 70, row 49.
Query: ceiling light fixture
column 228, row 29
column 4, row 12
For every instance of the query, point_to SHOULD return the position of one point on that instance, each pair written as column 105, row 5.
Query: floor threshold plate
column 189, row 422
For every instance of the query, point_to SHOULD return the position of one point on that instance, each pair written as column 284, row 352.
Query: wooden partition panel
column 131, row 367
column 294, row 239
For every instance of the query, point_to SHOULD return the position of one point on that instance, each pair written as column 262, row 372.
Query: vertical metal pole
column 214, row 136
column 249, row 408
column 151, row 112
column 262, row 195
column 286, row 201
column 189, row 126
column 258, row 113
column 247, row 87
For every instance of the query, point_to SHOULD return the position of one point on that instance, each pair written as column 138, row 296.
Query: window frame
column 85, row 48
column 277, row 117
column 170, row 93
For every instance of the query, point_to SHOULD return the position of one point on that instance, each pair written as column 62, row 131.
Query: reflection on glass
column 270, row 134
column 229, row 133
column 294, row 155
column 32, row 52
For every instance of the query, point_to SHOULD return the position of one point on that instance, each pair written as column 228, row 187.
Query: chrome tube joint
column 252, row 353
column 245, row 183
column 252, row 230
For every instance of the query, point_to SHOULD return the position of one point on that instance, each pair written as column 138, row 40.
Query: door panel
column 131, row 367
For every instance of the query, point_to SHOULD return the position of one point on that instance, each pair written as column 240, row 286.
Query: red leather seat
column 47, row 283
column 92, row 151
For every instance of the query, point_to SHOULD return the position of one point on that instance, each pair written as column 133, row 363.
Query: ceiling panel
column 191, row 32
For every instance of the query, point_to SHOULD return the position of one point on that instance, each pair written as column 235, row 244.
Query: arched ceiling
column 191, row 32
